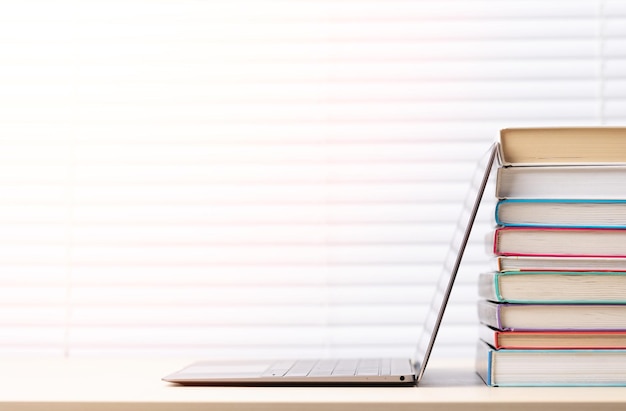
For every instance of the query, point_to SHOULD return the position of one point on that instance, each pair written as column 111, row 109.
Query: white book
column 562, row 182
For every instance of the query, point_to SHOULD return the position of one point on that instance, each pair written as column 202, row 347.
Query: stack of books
column 554, row 311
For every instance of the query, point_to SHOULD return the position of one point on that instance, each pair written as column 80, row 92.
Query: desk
column 134, row 385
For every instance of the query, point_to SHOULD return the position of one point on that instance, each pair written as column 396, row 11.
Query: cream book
column 562, row 145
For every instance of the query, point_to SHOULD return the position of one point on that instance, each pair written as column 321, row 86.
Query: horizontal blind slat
column 265, row 177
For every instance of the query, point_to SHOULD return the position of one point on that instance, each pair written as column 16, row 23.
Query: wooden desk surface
column 131, row 384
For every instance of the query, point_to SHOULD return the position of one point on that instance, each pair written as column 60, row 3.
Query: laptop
column 354, row 371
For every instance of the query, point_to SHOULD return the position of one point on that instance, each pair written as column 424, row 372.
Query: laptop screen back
column 211, row 373
column 453, row 259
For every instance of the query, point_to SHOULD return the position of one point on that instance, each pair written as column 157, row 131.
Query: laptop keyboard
column 344, row 368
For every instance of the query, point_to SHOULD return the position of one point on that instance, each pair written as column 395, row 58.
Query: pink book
column 560, row 242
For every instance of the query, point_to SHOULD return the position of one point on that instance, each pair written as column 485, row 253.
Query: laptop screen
column 453, row 258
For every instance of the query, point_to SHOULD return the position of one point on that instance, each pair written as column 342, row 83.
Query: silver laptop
column 354, row 371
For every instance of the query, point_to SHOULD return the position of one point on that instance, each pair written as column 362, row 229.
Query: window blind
column 267, row 178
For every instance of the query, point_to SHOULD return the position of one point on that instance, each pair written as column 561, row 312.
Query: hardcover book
column 526, row 263
column 553, row 287
column 553, row 241
column 550, row 340
column 550, row 367
column 558, row 145
column 561, row 213
column 562, row 182
column 534, row 317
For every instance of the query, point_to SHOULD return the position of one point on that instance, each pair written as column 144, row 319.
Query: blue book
column 539, row 368
column 579, row 213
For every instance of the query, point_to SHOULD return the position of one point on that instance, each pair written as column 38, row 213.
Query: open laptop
column 354, row 371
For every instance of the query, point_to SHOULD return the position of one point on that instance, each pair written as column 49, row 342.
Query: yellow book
column 562, row 145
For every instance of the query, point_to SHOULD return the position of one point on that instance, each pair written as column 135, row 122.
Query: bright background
column 276, row 178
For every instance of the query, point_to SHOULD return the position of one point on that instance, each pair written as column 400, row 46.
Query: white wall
column 276, row 178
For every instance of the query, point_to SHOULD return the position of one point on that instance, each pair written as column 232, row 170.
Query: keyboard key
column 368, row 367
column 346, row 367
column 323, row 368
column 343, row 373
column 301, row 368
column 385, row 367
column 320, row 373
column 278, row 369
column 401, row 367
column 275, row 372
column 369, row 363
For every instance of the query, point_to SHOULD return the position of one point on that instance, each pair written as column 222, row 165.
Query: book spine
column 489, row 336
column 500, row 263
column 484, row 360
column 497, row 212
column 488, row 286
column 490, row 368
column 496, row 240
column 489, row 314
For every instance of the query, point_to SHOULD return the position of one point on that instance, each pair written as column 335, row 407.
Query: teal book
column 553, row 287
column 577, row 213
column 540, row 368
